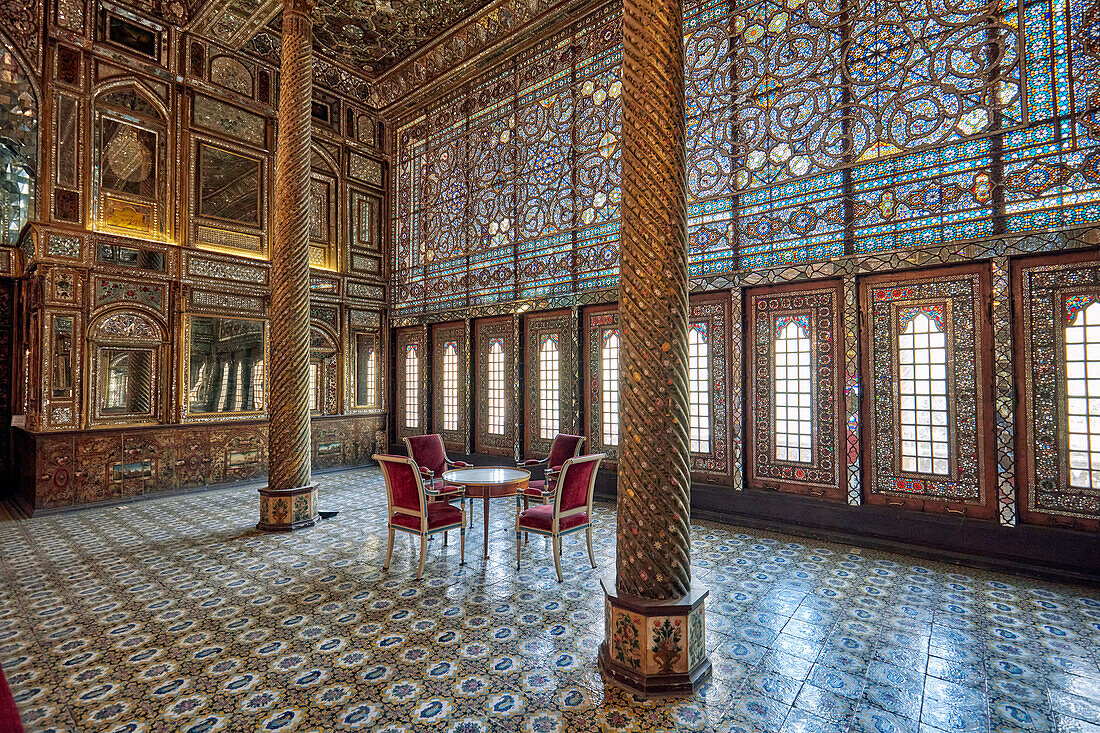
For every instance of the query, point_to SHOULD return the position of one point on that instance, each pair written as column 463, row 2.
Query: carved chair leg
column 462, row 543
column 557, row 556
column 526, row 536
column 444, row 539
column 588, row 534
column 389, row 552
column 517, row 548
column 423, row 550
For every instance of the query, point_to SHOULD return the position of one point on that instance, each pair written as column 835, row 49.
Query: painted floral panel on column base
column 282, row 510
column 654, row 647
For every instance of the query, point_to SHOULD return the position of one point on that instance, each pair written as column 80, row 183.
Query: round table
column 488, row 482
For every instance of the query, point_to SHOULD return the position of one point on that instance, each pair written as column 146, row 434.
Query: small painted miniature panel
column 411, row 385
column 708, row 386
column 794, row 390
column 551, row 393
column 1058, row 307
column 210, row 114
column 136, row 258
column 494, row 375
column 927, row 368
column 230, row 185
column 226, row 363
column 450, row 370
column 601, row 371
column 127, row 33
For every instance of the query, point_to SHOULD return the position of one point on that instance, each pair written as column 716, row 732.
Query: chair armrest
column 426, row 472
column 446, row 491
column 533, row 462
column 460, row 464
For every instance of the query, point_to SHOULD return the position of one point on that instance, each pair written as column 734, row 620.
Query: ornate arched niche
column 128, row 350
column 323, row 377
column 129, row 175
column 323, row 241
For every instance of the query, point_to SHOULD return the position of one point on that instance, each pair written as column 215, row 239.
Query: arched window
column 372, row 375
column 549, row 388
column 609, row 376
column 792, row 385
column 412, row 387
column 698, row 389
column 496, row 387
column 19, row 129
column 1083, row 396
column 922, row 389
column 450, row 385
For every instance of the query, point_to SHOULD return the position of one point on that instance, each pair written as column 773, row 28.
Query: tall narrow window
column 450, row 386
column 609, row 378
column 372, row 375
column 792, row 385
column 549, row 388
column 314, row 385
column 496, row 387
column 698, row 389
column 412, row 391
column 922, row 387
column 1083, row 396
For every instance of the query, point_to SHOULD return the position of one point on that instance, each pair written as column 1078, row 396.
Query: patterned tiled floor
column 176, row 615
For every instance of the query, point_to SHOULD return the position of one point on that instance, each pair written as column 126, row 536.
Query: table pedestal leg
column 486, row 527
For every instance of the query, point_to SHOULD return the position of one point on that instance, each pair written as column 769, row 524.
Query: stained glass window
column 698, row 389
column 450, row 386
column 922, row 387
column 412, row 387
column 814, row 129
column 793, row 389
column 496, row 387
column 549, row 388
column 609, row 377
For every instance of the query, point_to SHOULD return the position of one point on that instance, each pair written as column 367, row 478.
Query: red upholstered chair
column 432, row 459
column 410, row 511
column 563, row 448
column 571, row 510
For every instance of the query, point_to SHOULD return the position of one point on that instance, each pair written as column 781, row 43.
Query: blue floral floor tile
column 175, row 614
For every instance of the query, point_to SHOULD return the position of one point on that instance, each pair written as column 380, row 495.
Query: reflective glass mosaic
column 19, row 151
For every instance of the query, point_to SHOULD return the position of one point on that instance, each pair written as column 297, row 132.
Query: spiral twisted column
column 654, row 637
column 289, row 500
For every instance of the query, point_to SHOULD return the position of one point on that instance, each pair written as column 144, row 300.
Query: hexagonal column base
column 654, row 647
column 282, row 510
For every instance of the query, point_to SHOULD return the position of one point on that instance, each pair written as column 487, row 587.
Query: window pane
column 792, row 385
column 922, row 394
column 549, row 388
column 412, row 387
column 314, row 384
column 365, row 370
column 1083, row 397
column 496, row 387
column 609, row 372
column 450, row 385
column 699, row 389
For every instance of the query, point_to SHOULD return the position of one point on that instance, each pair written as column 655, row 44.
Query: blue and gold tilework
column 175, row 614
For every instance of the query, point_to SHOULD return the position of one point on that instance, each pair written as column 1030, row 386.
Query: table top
column 485, row 475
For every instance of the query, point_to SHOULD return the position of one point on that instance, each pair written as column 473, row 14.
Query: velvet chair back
column 578, row 479
column 402, row 483
column 428, row 452
column 565, row 447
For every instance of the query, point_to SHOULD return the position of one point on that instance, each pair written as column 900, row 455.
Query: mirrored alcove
column 127, row 350
column 225, row 365
column 322, row 371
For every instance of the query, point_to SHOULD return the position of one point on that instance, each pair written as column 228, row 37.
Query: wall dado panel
column 72, row 468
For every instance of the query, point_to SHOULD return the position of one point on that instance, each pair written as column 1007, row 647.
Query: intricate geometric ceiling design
column 372, row 36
